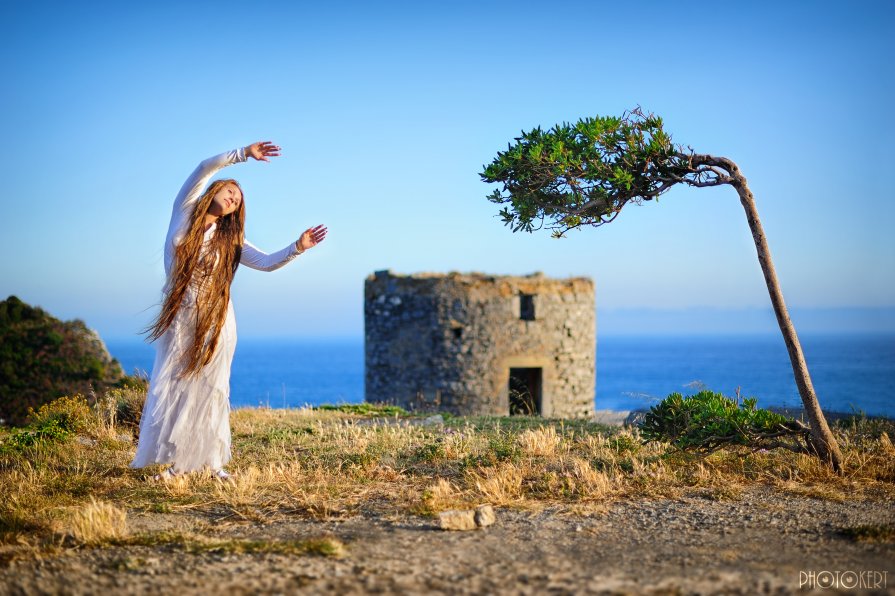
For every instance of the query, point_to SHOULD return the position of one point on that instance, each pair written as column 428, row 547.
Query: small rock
column 484, row 516
column 437, row 419
column 457, row 519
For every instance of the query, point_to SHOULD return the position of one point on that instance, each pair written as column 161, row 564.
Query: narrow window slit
column 527, row 307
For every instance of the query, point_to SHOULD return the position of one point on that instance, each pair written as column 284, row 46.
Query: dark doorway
column 525, row 392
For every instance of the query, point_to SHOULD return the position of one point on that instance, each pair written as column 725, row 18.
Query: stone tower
column 481, row 344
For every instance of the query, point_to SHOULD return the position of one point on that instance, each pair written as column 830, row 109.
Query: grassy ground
column 65, row 481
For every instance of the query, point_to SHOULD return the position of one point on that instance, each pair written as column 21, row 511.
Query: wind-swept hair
column 210, row 272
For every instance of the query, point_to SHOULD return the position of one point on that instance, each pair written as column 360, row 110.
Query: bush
column 48, row 431
column 127, row 403
column 71, row 414
column 709, row 421
column 52, row 423
column 365, row 409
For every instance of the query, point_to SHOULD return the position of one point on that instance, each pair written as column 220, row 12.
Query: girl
column 186, row 417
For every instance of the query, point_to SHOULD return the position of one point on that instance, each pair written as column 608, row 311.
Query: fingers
column 268, row 149
column 317, row 233
column 312, row 237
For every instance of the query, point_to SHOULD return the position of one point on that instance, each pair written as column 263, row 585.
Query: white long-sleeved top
column 186, row 201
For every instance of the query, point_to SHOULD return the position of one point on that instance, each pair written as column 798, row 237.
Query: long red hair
column 211, row 271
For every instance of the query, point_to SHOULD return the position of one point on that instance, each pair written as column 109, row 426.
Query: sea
column 851, row 373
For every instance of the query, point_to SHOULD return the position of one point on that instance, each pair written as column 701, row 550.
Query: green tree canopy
column 585, row 173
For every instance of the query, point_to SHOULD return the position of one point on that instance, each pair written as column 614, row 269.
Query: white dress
column 186, row 421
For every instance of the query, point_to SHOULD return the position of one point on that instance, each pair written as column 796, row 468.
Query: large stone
column 484, row 516
column 457, row 519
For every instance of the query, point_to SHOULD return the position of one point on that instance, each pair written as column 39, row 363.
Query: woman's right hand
column 262, row 150
column 311, row 238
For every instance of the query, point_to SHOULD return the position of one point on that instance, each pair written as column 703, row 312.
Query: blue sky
column 386, row 113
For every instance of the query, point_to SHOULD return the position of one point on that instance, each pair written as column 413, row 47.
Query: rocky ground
column 761, row 541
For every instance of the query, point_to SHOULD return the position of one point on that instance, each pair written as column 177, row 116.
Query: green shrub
column 709, row 421
column 430, row 451
column 366, row 409
column 54, row 422
column 47, row 431
column 70, row 414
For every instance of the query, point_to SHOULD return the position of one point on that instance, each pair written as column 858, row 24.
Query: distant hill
column 42, row 358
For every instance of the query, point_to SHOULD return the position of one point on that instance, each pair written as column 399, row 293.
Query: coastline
column 632, row 373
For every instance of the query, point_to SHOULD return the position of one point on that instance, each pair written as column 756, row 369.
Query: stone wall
column 448, row 342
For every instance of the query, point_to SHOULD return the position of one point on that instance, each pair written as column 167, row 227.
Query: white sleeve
column 257, row 259
column 189, row 194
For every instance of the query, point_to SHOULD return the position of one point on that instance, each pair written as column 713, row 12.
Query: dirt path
column 760, row 543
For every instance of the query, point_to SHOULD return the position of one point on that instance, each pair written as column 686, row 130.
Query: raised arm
column 257, row 259
column 195, row 185
column 188, row 196
column 198, row 180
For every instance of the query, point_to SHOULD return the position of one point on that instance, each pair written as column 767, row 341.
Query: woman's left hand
column 311, row 238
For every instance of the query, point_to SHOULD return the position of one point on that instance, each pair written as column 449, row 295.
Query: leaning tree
column 584, row 174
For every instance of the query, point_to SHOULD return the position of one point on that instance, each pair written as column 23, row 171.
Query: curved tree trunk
column 823, row 439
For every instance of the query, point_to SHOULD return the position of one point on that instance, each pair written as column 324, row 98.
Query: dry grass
column 589, row 483
column 539, row 442
column 324, row 463
column 97, row 522
column 443, row 495
column 500, row 485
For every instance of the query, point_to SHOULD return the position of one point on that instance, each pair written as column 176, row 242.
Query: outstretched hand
column 311, row 237
column 262, row 150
